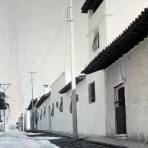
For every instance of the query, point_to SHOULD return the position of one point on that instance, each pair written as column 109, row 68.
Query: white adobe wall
column 121, row 14
column 91, row 117
column 111, row 18
column 61, row 121
column 97, row 21
column 44, row 124
column 134, row 67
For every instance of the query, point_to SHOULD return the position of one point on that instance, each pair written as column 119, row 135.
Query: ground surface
column 65, row 142
column 16, row 139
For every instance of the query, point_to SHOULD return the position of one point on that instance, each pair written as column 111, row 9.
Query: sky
column 34, row 36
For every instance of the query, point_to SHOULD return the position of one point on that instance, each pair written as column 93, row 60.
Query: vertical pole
column 32, row 119
column 22, row 96
column 32, row 102
column 74, row 107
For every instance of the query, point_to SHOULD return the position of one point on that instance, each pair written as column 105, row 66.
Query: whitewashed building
column 42, row 113
column 112, row 97
column 123, row 61
column 32, row 109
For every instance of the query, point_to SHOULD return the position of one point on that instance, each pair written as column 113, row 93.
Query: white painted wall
column 111, row 18
column 91, row 117
column 44, row 123
column 134, row 67
column 97, row 21
column 120, row 14
column 61, row 121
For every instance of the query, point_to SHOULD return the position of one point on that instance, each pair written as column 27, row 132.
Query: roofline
column 126, row 41
column 42, row 99
column 67, row 87
column 90, row 4
column 30, row 104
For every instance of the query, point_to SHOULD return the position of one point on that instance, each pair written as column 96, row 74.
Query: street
column 16, row 139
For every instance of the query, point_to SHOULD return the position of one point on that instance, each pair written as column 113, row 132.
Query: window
column 70, row 108
column 52, row 111
column 44, row 114
column 41, row 115
column 96, row 42
column 91, row 92
column 61, row 105
column 38, row 115
column 49, row 110
column 77, row 98
column 57, row 104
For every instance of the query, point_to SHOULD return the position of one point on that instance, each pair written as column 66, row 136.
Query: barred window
column 77, row 98
column 57, row 104
column 41, row 115
column 44, row 114
column 52, row 111
column 70, row 108
column 91, row 92
column 61, row 105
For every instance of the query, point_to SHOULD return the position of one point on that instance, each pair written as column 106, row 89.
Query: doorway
column 120, row 110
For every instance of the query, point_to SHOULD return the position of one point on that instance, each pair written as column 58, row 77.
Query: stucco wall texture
column 133, row 67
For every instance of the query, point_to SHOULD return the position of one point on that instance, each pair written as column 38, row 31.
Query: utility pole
column 31, row 76
column 22, row 97
column 72, row 57
column 4, row 87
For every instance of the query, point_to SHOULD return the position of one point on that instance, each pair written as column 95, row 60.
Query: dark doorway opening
column 120, row 110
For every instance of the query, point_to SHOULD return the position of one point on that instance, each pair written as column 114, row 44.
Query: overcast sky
column 34, row 36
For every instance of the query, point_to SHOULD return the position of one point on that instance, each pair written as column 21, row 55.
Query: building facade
column 124, row 85
column 112, row 95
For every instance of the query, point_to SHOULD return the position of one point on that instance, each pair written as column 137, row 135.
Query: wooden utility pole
column 72, row 56
column 22, row 98
column 32, row 91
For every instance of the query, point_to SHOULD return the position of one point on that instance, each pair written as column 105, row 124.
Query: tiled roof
column 42, row 99
column 68, row 86
column 90, row 4
column 135, row 33
column 30, row 105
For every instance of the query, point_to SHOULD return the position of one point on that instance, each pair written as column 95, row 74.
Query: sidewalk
column 16, row 139
column 117, row 142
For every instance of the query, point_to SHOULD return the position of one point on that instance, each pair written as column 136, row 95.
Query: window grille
column 91, row 91
column 61, row 105
column 57, row 104
column 44, row 111
column 52, row 111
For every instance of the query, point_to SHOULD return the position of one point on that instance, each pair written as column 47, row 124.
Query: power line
column 59, row 28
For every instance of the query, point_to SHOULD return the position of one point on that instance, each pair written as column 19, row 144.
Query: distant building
column 32, row 113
